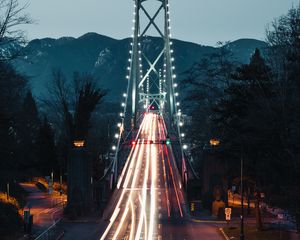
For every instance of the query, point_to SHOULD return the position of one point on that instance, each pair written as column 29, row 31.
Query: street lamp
column 242, row 197
column 216, row 142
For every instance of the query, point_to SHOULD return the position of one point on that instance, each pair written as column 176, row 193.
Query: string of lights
column 178, row 111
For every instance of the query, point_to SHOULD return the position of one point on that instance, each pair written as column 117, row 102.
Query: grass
column 9, row 200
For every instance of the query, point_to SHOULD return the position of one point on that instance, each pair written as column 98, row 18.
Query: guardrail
column 54, row 232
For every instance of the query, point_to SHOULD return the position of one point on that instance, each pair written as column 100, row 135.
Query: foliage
column 205, row 83
column 12, row 86
column 11, row 221
column 256, row 113
column 46, row 149
column 12, row 16
column 72, row 107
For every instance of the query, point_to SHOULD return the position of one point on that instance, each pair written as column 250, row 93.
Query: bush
column 11, row 221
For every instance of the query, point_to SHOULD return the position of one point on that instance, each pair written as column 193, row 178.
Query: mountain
column 107, row 58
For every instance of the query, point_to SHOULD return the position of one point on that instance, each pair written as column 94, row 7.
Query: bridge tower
column 151, row 77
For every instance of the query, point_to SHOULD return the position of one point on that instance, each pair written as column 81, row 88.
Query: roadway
column 45, row 208
column 149, row 201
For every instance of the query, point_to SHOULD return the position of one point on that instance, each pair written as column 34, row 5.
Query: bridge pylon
column 151, row 78
column 151, row 75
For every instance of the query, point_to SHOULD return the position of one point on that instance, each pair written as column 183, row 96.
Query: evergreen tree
column 46, row 150
column 12, row 86
column 284, row 49
column 27, row 129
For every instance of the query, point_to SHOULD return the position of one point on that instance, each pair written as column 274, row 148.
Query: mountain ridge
column 107, row 57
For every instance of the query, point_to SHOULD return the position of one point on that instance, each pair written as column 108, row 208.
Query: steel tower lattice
column 151, row 77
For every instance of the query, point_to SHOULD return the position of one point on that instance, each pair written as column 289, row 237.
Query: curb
column 80, row 221
column 224, row 234
column 207, row 221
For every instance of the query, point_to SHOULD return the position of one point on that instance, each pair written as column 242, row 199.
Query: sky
column 201, row 21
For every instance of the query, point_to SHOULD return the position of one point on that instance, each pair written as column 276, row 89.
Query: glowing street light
column 214, row 142
column 78, row 143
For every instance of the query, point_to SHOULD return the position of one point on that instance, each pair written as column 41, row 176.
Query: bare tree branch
column 11, row 17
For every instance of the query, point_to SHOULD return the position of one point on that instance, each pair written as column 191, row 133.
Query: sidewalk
column 269, row 213
column 45, row 208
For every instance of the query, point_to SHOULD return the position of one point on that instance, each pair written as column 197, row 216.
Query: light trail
column 125, row 168
column 132, row 220
column 174, row 183
column 117, row 209
column 135, row 214
column 135, row 175
column 171, row 171
column 136, row 172
column 152, row 191
column 144, row 191
column 162, row 136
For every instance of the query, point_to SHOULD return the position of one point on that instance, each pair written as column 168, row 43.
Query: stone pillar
column 79, row 180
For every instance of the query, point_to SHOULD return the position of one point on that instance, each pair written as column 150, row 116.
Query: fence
column 54, row 232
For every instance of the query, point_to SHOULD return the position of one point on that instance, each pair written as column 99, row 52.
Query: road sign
column 228, row 211
column 228, row 214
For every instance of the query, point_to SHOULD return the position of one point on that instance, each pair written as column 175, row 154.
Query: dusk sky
column 200, row 21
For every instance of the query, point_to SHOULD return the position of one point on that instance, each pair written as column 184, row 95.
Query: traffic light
column 167, row 141
column 133, row 143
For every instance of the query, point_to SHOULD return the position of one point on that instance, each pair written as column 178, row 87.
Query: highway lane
column 131, row 218
column 149, row 201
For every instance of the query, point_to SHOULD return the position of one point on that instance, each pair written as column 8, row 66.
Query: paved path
column 44, row 208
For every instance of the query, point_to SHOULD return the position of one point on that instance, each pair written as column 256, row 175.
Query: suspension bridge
column 149, row 199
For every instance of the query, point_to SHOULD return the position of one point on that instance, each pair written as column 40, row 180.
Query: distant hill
column 107, row 58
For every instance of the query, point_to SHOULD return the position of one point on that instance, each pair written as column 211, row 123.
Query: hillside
column 107, row 58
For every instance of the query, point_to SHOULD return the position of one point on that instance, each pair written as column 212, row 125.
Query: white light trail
column 153, row 186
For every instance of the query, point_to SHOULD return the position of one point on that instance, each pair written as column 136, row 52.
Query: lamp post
column 242, row 236
column 216, row 142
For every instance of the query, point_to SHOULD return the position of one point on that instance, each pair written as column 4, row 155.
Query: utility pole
column 242, row 236
column 7, row 191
